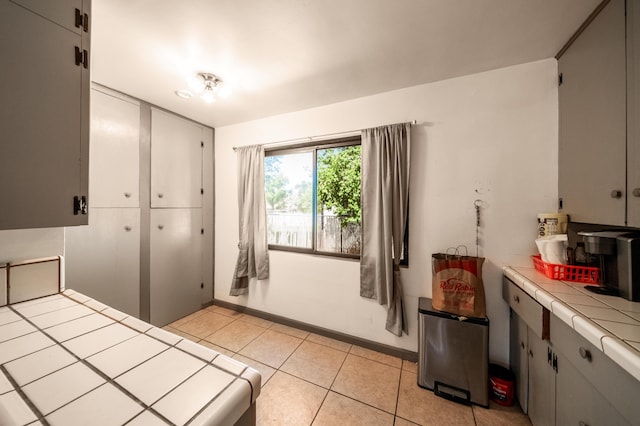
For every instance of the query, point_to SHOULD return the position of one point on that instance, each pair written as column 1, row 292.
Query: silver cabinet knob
column 127, row 195
column 585, row 353
column 616, row 193
column 636, row 192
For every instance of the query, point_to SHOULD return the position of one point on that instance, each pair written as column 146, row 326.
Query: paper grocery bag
column 457, row 285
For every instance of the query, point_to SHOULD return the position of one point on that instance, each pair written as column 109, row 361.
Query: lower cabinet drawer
column 534, row 314
column 617, row 386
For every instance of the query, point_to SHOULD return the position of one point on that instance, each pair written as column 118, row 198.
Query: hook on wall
column 477, row 203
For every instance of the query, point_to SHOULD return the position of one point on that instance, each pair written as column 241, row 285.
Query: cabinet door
column 518, row 358
column 578, row 401
column 633, row 114
column 42, row 165
column 542, row 387
column 115, row 153
column 176, row 269
column 59, row 11
column 176, row 161
column 103, row 259
column 207, row 216
column 592, row 102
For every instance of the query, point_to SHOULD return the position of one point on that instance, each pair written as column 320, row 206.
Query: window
column 313, row 198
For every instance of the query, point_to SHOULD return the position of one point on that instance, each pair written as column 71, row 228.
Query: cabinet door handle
column 522, row 345
column 530, row 353
column 161, row 227
column 127, row 195
column 585, row 353
column 82, row 57
column 616, row 193
column 581, row 423
column 636, row 192
column 516, row 298
column 160, row 195
column 127, row 228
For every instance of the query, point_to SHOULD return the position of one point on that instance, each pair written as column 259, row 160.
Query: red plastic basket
column 581, row 274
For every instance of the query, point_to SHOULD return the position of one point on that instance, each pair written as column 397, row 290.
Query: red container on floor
column 501, row 385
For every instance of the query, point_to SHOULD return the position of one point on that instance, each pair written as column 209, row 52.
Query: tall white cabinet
column 148, row 249
column 103, row 259
column 177, row 229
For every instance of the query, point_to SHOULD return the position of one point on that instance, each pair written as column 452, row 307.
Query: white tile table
column 67, row 359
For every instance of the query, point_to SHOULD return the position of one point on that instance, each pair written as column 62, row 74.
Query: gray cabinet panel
column 102, row 260
column 599, row 372
column 44, row 135
column 176, row 264
column 176, row 161
column 633, row 114
column 518, row 362
column 61, row 12
column 542, row 382
column 115, row 153
column 592, row 103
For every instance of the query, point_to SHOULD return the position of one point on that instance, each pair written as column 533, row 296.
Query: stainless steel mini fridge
column 453, row 355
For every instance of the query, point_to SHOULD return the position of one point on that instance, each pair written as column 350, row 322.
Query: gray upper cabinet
column 633, row 113
column 176, row 161
column 114, row 178
column 62, row 12
column 45, row 113
column 592, row 106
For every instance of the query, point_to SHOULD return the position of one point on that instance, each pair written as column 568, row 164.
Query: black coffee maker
column 617, row 254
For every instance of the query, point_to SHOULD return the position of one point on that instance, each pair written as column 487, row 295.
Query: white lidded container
column 552, row 224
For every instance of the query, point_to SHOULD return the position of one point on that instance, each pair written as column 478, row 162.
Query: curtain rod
column 321, row 137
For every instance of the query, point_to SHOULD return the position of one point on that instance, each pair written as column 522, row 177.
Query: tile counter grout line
column 212, row 400
column 24, row 397
column 107, row 379
column 169, row 346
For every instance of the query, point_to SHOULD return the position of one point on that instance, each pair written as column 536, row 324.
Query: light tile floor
column 308, row 379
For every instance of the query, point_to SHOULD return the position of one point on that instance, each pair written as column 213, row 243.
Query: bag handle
column 457, row 250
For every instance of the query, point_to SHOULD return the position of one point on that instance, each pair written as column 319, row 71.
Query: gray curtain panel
column 253, row 254
column 385, row 195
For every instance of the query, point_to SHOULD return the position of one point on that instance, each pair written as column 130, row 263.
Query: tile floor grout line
column 352, row 350
column 398, row 393
column 238, row 351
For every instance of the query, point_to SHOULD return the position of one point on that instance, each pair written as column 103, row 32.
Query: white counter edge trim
column 611, row 345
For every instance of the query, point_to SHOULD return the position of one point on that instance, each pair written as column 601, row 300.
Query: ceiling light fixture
column 207, row 86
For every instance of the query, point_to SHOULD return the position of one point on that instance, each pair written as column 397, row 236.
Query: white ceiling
column 286, row 55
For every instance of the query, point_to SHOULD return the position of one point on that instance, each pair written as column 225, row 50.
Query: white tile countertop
column 611, row 324
column 66, row 359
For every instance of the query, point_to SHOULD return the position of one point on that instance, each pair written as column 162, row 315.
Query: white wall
column 25, row 244
column 491, row 136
